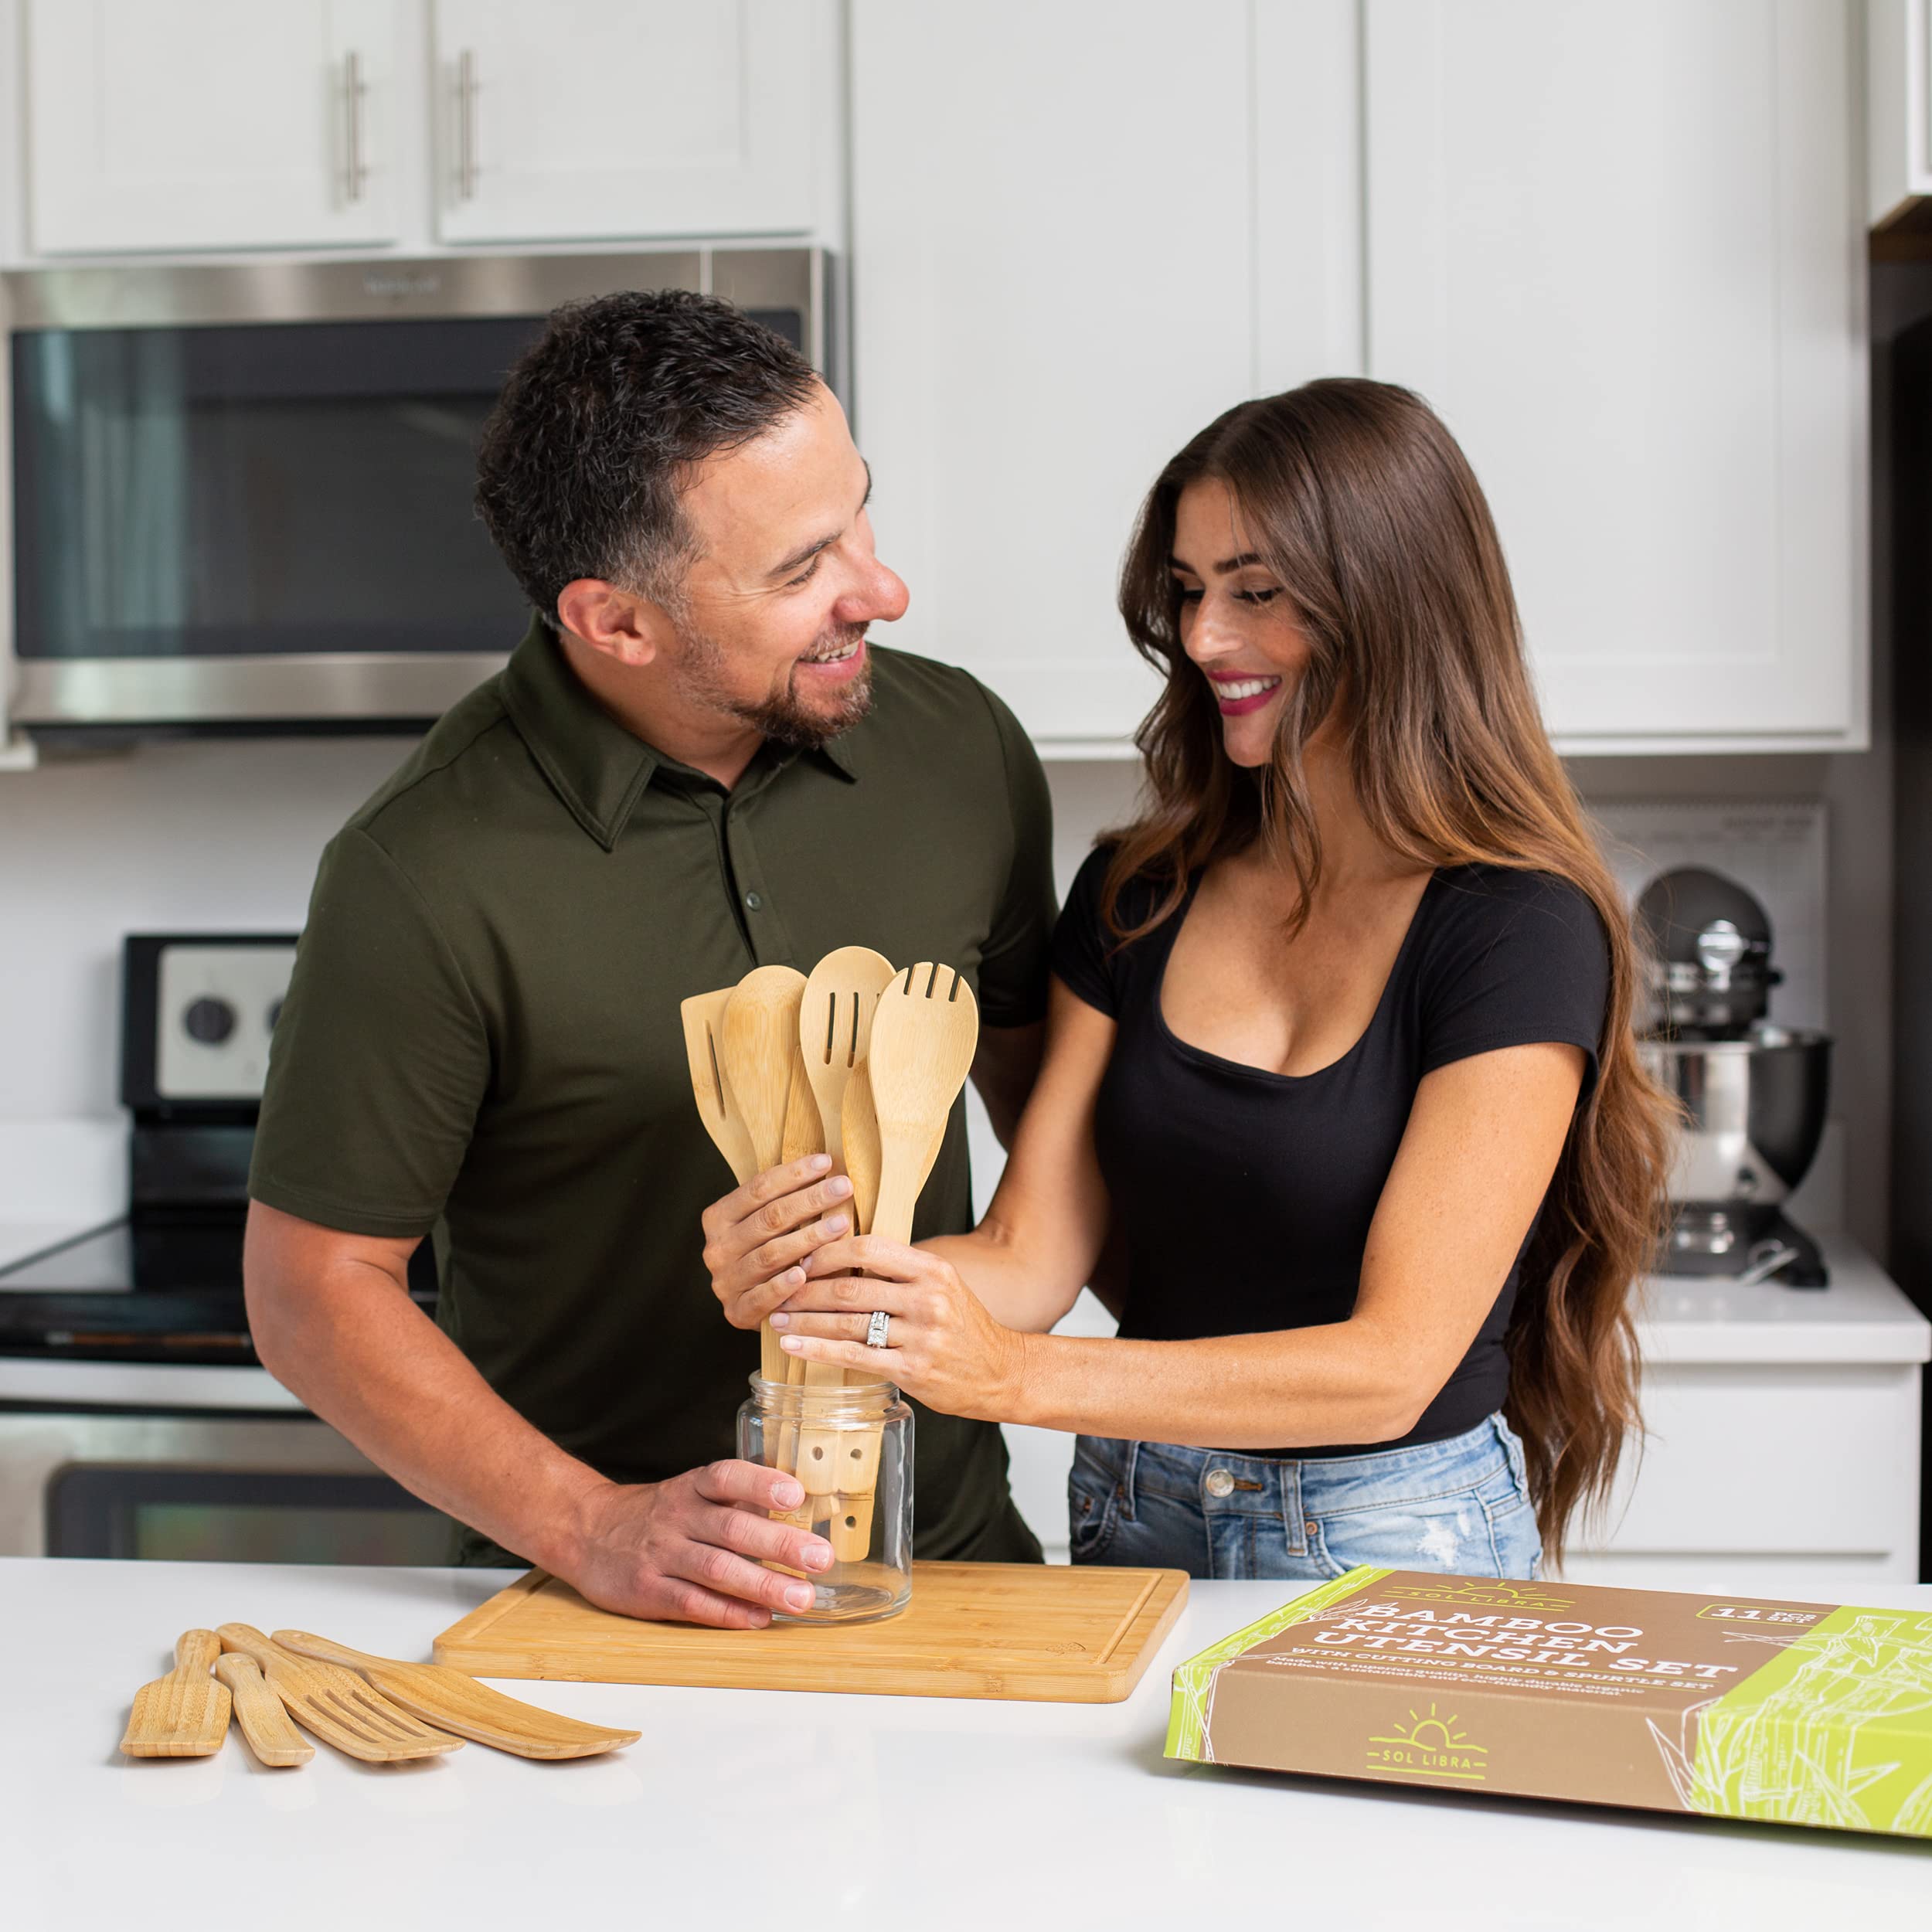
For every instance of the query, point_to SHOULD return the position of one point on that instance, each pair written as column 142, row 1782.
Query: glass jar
column 851, row 1445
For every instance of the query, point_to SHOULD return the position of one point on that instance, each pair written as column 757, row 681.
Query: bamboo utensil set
column 861, row 1062
column 389, row 1713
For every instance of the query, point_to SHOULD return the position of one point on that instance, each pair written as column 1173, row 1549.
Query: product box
column 1733, row 1706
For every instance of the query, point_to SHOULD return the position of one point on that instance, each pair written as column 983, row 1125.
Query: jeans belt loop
column 1129, row 1462
column 1293, row 1517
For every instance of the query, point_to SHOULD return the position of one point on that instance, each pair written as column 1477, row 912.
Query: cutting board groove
column 1041, row 1633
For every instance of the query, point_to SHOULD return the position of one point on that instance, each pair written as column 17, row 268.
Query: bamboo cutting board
column 1034, row 1632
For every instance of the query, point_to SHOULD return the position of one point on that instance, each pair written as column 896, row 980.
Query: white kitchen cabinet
column 1056, row 284
column 589, row 118
column 1618, row 247
column 1898, row 47
column 1780, row 1446
column 220, row 123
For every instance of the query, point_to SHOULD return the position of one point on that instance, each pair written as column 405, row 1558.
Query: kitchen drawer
column 1812, row 1458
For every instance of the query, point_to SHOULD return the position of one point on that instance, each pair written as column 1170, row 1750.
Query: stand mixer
column 1753, row 1094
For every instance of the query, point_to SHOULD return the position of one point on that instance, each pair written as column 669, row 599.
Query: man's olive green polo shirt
column 482, row 1037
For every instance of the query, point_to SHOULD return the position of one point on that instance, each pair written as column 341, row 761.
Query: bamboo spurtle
column 184, row 1714
column 337, row 1706
column 757, row 1047
column 452, row 1701
column 260, row 1713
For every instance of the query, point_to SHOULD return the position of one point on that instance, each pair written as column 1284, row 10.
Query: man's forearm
column 354, row 1347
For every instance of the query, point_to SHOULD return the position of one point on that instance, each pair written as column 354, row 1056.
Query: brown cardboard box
column 1736, row 1707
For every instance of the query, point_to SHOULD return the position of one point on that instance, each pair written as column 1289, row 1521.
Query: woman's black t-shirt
column 1245, row 1195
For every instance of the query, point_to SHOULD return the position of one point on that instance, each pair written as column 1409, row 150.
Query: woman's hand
column 758, row 1239
column 941, row 1344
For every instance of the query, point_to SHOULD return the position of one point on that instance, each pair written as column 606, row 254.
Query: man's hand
column 758, row 1239
column 690, row 1550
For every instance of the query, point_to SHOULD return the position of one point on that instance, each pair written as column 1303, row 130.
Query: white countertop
column 781, row 1808
column 1861, row 1317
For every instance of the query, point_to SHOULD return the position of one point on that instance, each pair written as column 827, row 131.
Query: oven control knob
column 209, row 1020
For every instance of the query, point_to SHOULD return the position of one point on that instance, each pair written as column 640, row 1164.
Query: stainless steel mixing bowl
column 1753, row 1109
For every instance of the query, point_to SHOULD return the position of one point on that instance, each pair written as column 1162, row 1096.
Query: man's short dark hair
column 598, row 429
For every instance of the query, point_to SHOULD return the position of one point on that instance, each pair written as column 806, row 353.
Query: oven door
column 225, row 1489
column 243, row 495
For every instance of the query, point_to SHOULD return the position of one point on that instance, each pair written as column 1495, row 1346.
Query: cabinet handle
column 356, row 88
column 466, row 126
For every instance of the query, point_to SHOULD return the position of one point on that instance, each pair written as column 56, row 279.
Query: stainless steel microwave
column 240, row 494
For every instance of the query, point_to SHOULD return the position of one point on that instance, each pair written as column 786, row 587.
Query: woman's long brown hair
column 1362, row 507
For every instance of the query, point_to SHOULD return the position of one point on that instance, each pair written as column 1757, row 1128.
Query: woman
column 1340, row 1039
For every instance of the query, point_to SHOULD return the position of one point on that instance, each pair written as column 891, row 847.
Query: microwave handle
column 466, row 125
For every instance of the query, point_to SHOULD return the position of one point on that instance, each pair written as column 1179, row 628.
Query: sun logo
column 1494, row 1595
column 1430, row 1746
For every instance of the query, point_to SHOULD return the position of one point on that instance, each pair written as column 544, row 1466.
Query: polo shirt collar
column 596, row 767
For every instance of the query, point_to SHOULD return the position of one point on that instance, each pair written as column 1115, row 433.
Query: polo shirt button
column 753, row 902
column 1220, row 1482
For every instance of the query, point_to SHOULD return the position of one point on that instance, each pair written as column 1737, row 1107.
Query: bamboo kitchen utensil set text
column 861, row 1062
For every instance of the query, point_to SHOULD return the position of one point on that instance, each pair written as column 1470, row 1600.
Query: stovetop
column 133, row 1292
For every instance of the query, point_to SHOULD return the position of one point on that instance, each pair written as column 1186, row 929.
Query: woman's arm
column 1027, row 1261
column 1483, row 1140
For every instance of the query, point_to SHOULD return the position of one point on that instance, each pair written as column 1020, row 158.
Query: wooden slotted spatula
column 703, row 1015
column 336, row 1705
column 184, row 1714
column 834, row 1030
column 454, row 1702
column 264, row 1721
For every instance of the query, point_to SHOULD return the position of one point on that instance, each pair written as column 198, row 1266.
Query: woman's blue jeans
column 1462, row 1506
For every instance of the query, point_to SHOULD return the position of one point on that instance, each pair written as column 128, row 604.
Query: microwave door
column 256, row 523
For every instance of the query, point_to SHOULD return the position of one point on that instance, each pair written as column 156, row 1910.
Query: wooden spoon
column 453, row 1701
column 184, row 1714
column 759, row 1046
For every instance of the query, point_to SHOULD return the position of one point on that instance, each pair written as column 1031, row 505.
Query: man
column 696, row 762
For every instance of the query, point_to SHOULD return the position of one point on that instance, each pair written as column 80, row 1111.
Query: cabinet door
column 225, row 124
column 1616, row 245
column 589, row 118
column 1054, row 287
column 1898, row 52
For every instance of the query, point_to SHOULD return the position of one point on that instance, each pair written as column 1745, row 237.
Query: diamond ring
column 876, row 1328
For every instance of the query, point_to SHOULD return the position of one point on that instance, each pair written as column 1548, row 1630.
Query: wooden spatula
column 454, row 1702
column 184, row 1714
column 338, row 1707
column 264, row 1721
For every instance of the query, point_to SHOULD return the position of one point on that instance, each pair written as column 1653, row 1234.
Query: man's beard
column 782, row 715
